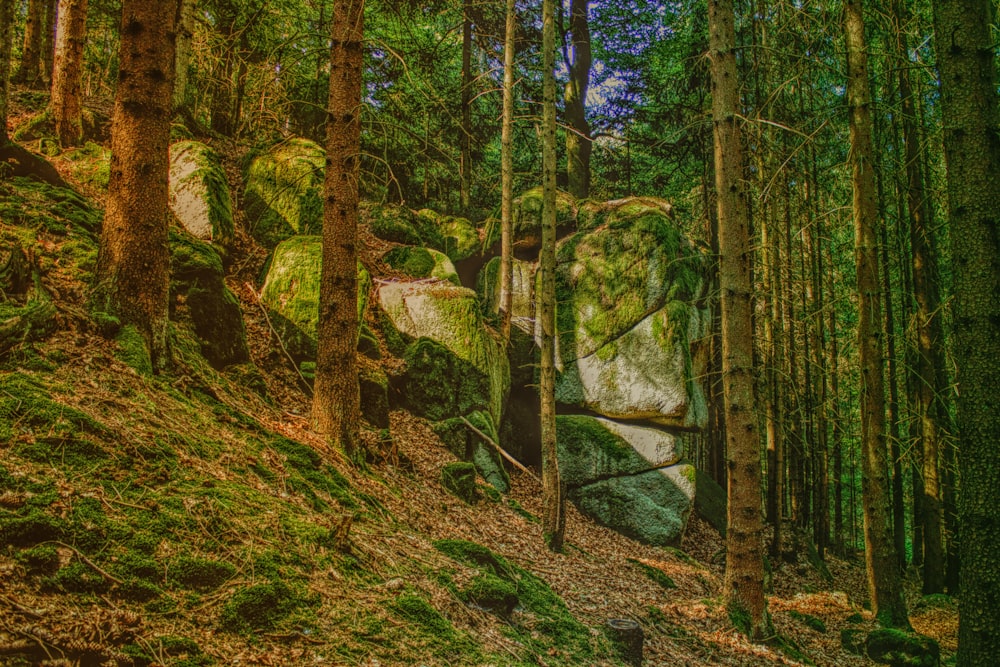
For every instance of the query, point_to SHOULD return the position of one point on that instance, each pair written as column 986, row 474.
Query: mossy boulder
column 284, row 191
column 291, row 293
column 374, row 385
column 491, row 593
column 398, row 224
column 455, row 365
column 652, row 507
column 199, row 194
column 467, row 445
column 593, row 214
column 419, row 262
column 526, row 219
column 459, row 237
column 593, row 449
column 459, row 479
column 91, row 164
column 887, row 646
column 630, row 296
column 198, row 291
column 522, row 291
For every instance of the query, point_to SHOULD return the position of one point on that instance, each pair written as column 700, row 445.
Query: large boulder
column 198, row 290
column 459, row 236
column 455, row 364
column 630, row 294
column 652, row 507
column 526, row 219
column 419, row 262
column 398, row 224
column 522, row 291
column 291, row 293
column 593, row 449
column 199, row 194
column 284, row 191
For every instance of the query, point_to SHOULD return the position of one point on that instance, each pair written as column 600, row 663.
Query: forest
column 499, row 333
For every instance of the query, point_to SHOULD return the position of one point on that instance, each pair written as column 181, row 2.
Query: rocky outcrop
column 199, row 194
column 419, row 262
column 283, row 195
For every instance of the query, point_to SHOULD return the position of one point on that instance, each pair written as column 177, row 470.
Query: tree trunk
column 48, row 40
column 67, row 107
column 133, row 263
column 6, row 37
column 337, row 401
column 836, row 427
column 507, row 173
column 744, row 588
column 578, row 142
column 965, row 52
column 185, row 33
column 465, row 166
column 880, row 558
column 30, row 70
column 554, row 523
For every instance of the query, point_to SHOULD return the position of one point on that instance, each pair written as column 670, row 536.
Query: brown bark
column 6, row 37
column 578, row 142
column 337, row 401
column 48, row 40
column 880, row 558
column 133, row 262
column 30, row 70
column 185, row 33
column 465, row 166
column 507, row 173
column 744, row 588
column 969, row 104
column 554, row 523
column 66, row 103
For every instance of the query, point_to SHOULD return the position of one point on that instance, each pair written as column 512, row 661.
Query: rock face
column 628, row 477
column 291, row 293
column 284, row 191
column 526, row 222
column 459, row 237
column 199, row 194
column 197, row 286
column 422, row 263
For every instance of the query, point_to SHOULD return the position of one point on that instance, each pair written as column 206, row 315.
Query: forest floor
column 186, row 519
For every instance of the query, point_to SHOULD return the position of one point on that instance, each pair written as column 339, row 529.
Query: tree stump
column 627, row 637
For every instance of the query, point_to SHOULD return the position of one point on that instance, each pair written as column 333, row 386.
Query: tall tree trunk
column 133, row 264
column 880, row 558
column 67, row 107
column 578, row 142
column 48, row 40
column 185, row 33
column 465, row 187
column 554, row 523
column 744, row 588
column 836, row 427
column 507, row 172
column 965, row 52
column 30, row 70
column 6, row 37
column 337, row 400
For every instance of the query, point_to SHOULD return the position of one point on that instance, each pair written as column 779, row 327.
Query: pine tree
column 67, row 71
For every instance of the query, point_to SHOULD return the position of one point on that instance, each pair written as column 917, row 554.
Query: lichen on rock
column 199, row 194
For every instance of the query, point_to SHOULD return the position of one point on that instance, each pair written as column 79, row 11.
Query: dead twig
column 89, row 563
column 281, row 343
column 517, row 464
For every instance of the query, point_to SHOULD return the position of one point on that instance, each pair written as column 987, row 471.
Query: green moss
column 792, row 649
column 419, row 262
column 42, row 559
column 809, row 621
column 137, row 566
column 906, row 649
column 259, row 607
column 210, row 178
column 418, row 610
column 491, row 593
column 76, row 578
column 283, row 195
column 460, row 480
column 655, row 574
column 132, row 350
column 200, row 574
column 458, row 237
column 139, row 590
column 91, row 164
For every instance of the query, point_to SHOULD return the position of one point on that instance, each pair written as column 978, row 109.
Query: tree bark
column 336, row 410
column 880, row 554
column 965, row 52
column 48, row 40
column 554, row 523
column 6, row 37
column 507, row 173
column 578, row 142
column 744, row 589
column 133, row 262
column 185, row 34
column 465, row 186
column 67, row 107
column 30, row 70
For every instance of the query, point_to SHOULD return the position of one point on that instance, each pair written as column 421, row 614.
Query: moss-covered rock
column 459, row 479
column 593, row 214
column 629, row 294
column 419, row 262
column 398, row 224
column 457, row 365
column 459, row 237
column 91, row 164
column 492, row 593
column 652, row 507
column 592, row 449
column 522, row 291
column 283, row 195
column 199, row 194
column 464, row 443
column 902, row 649
column 526, row 219
column 198, row 291
column 374, row 385
column 259, row 607
column 291, row 293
